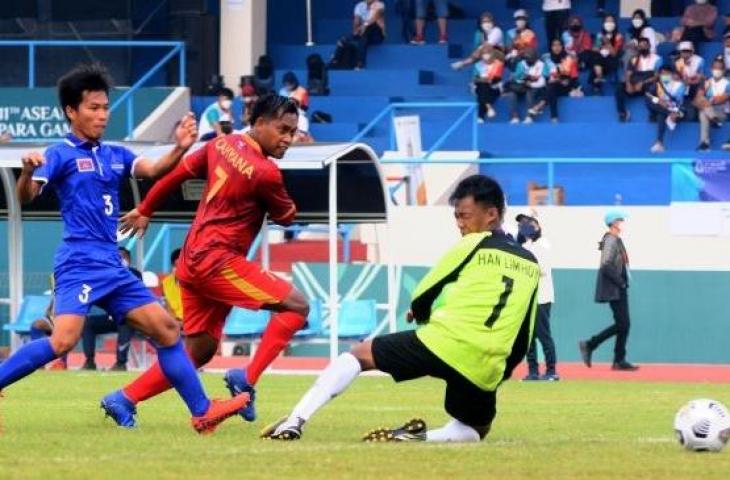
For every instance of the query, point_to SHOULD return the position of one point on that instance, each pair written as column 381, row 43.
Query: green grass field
column 52, row 428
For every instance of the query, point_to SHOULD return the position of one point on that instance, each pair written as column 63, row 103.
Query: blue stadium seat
column 357, row 318
column 32, row 308
column 242, row 323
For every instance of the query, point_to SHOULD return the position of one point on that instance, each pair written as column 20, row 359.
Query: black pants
column 100, row 325
column 556, row 90
column 486, row 95
column 659, row 113
column 622, row 95
column 542, row 333
column 620, row 328
column 373, row 36
column 555, row 22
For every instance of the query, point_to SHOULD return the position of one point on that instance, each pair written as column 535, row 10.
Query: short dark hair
column 482, row 189
column 644, row 40
column 273, row 106
column 91, row 77
column 225, row 92
column 174, row 255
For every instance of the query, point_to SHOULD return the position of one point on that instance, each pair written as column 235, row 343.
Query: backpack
column 345, row 56
column 317, row 78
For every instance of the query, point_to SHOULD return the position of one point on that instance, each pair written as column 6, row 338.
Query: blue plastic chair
column 314, row 321
column 245, row 323
column 32, row 308
column 357, row 318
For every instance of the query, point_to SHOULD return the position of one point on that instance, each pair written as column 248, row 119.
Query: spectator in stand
column 578, row 41
column 640, row 73
column 607, row 51
column 726, row 51
column 529, row 81
column 556, row 17
column 249, row 97
column 488, row 32
column 639, row 29
column 698, row 22
column 368, row 28
column 99, row 323
column 713, row 102
column 664, row 99
column 563, row 79
column 488, row 64
column 215, row 116
column 519, row 39
column 293, row 89
column 690, row 68
column 442, row 13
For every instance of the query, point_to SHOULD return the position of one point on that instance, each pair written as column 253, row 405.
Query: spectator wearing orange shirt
column 578, row 41
column 607, row 51
column 293, row 89
column 488, row 71
column 563, row 78
column 519, row 39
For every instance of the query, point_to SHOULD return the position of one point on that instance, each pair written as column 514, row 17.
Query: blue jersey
column 88, row 268
column 86, row 178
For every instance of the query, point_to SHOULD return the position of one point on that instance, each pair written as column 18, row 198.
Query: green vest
column 478, row 305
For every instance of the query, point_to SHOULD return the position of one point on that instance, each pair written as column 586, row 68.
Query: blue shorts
column 441, row 6
column 87, row 280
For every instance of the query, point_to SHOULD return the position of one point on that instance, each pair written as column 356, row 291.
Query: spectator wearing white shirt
column 713, row 102
column 529, row 81
column 368, row 28
column 530, row 236
column 691, row 68
column 640, row 73
column 217, row 117
column 556, row 17
column 664, row 99
column 488, row 32
column 639, row 29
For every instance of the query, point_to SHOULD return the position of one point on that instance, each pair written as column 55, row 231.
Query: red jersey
column 242, row 186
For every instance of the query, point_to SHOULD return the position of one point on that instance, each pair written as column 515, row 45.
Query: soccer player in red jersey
column 243, row 185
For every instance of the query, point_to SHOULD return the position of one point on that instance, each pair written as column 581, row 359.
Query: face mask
column 225, row 104
column 644, row 51
column 717, row 74
column 609, row 26
column 665, row 78
column 701, row 2
column 487, row 27
column 575, row 28
column 527, row 230
column 521, row 24
column 637, row 22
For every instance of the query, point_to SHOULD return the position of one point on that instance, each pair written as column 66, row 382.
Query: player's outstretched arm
column 185, row 135
column 27, row 188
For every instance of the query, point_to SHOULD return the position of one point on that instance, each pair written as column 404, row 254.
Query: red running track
column 650, row 372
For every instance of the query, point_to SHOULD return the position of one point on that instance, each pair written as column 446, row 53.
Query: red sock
column 279, row 331
column 150, row 383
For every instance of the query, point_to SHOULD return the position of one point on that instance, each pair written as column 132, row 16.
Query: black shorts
column 405, row 357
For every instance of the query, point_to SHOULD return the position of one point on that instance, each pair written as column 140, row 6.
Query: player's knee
column 63, row 343
column 298, row 303
column 167, row 331
column 364, row 354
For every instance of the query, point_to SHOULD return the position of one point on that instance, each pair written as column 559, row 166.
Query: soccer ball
column 703, row 425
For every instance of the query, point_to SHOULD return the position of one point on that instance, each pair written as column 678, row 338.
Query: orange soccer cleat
column 218, row 412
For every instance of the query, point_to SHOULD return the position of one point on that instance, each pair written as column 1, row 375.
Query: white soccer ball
column 703, row 425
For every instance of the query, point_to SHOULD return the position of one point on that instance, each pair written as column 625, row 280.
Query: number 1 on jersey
column 497, row 310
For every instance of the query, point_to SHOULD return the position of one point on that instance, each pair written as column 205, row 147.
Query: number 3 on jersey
column 497, row 310
column 108, row 205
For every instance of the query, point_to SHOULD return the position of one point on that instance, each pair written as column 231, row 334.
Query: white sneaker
column 480, row 120
column 576, row 92
column 658, row 147
column 490, row 112
column 515, row 120
column 528, row 120
column 671, row 124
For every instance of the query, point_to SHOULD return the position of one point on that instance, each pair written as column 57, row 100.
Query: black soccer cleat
column 279, row 430
column 413, row 431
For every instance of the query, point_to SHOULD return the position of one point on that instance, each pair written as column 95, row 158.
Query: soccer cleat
column 218, row 412
column 120, row 408
column 531, row 377
column 236, row 383
column 280, row 430
column 413, row 431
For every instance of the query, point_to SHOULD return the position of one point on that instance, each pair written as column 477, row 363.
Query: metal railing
column 176, row 49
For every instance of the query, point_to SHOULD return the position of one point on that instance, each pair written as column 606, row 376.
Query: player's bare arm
column 185, row 135
column 28, row 189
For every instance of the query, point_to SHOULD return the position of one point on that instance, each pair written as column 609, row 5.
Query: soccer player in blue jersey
column 86, row 174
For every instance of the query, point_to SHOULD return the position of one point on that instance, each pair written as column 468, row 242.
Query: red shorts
column 239, row 283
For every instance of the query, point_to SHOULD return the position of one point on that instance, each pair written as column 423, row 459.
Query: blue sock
column 179, row 370
column 26, row 360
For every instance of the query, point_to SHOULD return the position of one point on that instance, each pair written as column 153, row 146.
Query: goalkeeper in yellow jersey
column 475, row 310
